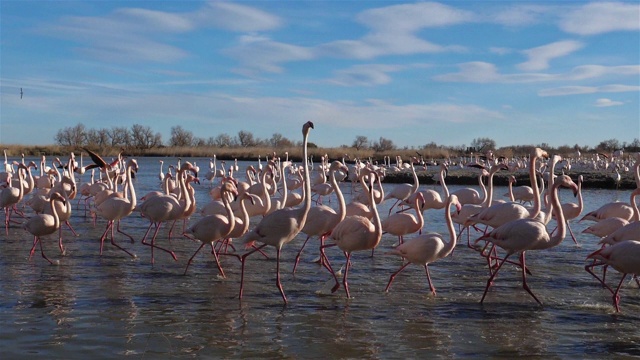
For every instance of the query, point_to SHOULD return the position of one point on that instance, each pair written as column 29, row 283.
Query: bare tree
column 72, row 136
column 97, row 138
column 119, row 136
column 483, row 144
column 222, row 140
column 361, row 142
column 245, row 139
column 279, row 141
column 180, row 137
column 383, row 145
column 142, row 137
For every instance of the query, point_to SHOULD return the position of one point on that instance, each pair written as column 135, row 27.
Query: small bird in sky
column 21, row 93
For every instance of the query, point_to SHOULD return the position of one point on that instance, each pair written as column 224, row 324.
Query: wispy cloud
column 483, row 72
column 577, row 90
column 607, row 102
column 540, row 56
column 369, row 74
column 602, row 17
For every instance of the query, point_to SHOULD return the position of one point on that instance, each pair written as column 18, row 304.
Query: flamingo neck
column 342, row 206
column 452, row 231
column 534, row 185
column 561, row 231
column 445, row 189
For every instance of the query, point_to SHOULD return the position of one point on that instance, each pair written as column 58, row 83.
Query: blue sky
column 518, row 72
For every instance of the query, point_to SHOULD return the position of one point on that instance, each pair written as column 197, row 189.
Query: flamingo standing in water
column 161, row 208
column 43, row 225
column 281, row 226
column 402, row 192
column 529, row 234
column 11, row 196
column 116, row 208
column 427, row 248
column 623, row 257
column 322, row 219
column 212, row 228
column 355, row 233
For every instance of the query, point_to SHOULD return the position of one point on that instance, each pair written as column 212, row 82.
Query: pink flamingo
column 212, row 228
column 161, row 208
column 521, row 194
column 43, row 225
column 471, row 196
column 529, row 234
column 322, row 219
column 401, row 224
column 11, row 196
column 354, row 233
column 401, row 192
column 623, row 257
column 427, row 248
column 605, row 227
column 281, row 226
column 116, row 208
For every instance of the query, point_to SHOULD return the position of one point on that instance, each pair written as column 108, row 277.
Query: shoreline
column 591, row 179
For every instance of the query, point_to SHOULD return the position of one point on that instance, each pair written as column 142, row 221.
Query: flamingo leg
column 243, row 260
column 490, row 281
column 616, row 295
column 393, row 276
column 431, row 287
column 571, row 232
column 278, row 283
column 194, row 255
column 42, row 252
column 118, row 246
column 346, row 273
column 104, row 234
column 123, row 233
column 295, row 265
column 215, row 256
column 524, row 278
column 327, row 265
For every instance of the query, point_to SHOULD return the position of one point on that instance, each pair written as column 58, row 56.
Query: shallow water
column 113, row 305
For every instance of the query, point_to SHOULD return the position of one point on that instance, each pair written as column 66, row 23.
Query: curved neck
column 230, row 216
column 54, row 213
column 131, row 190
column 482, row 187
column 452, row 231
column 511, row 196
column 561, row 230
column 534, row 185
column 445, row 189
column 307, row 180
column 636, row 213
column 342, row 206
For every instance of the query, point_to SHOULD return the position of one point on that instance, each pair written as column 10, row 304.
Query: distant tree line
column 143, row 138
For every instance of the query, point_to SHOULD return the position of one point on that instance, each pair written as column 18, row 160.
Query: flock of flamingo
column 512, row 227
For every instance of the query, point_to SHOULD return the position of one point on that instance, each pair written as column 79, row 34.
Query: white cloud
column 540, row 56
column 607, row 102
column 500, row 50
column 519, row 15
column 483, row 72
column 577, row 90
column 259, row 53
column 235, row 17
column 602, row 17
column 368, row 75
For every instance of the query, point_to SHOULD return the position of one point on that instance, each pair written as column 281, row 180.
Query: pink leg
column 524, row 278
column 431, row 287
column 346, row 273
column 295, row 265
column 42, row 253
column 104, row 234
column 325, row 262
column 125, row 234
column 490, row 281
column 616, row 296
column 194, row 255
column 393, row 276
column 243, row 260
column 278, row 283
